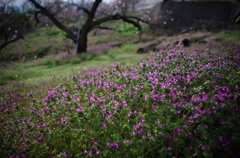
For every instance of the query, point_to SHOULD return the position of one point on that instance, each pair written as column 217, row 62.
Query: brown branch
column 36, row 16
column 80, row 8
column 93, row 10
column 87, row 26
column 7, row 42
column 6, row 37
column 45, row 12
column 139, row 19
column 84, row 9
column 135, row 24
column 125, row 18
column 11, row 41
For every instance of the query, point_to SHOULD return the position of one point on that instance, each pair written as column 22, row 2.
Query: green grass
column 121, row 32
column 44, row 41
column 38, row 43
column 36, row 71
column 127, row 30
column 17, row 75
column 231, row 36
column 100, row 41
column 35, row 60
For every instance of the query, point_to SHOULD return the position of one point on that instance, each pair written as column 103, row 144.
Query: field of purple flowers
column 174, row 104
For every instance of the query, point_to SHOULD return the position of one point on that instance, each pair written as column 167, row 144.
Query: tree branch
column 87, row 26
column 139, row 19
column 96, row 23
column 6, row 36
column 80, row 8
column 90, row 23
column 94, row 9
column 45, row 12
column 36, row 16
column 7, row 42
column 84, row 9
column 11, row 41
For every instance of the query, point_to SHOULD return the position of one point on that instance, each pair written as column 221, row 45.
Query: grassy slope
column 47, row 43
column 35, row 72
column 231, row 36
column 39, row 55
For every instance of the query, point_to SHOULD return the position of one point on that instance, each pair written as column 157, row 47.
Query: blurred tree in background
column 14, row 22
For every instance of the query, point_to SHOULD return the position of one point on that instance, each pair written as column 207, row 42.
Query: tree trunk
column 89, row 24
column 82, row 43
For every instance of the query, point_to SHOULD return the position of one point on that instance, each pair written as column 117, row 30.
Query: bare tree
column 90, row 23
column 5, row 6
column 9, row 34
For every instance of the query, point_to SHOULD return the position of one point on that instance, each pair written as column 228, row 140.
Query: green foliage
column 231, row 36
column 127, row 30
column 87, row 57
column 99, row 41
column 10, row 76
column 52, row 62
column 43, row 51
column 76, row 60
column 57, row 62
column 37, row 43
column 6, row 77
column 124, row 51
column 53, row 32
column 50, row 65
column 172, row 104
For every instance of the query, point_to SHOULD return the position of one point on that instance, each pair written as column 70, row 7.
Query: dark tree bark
column 89, row 24
column 82, row 43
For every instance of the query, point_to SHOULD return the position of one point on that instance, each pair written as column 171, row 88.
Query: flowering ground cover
column 173, row 104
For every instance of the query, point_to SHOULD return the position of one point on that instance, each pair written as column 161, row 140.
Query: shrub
column 174, row 104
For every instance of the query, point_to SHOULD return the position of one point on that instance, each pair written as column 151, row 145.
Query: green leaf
column 207, row 154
